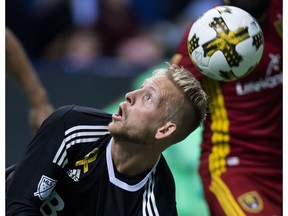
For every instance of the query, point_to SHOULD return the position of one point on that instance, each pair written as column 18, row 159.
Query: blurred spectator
column 142, row 33
column 37, row 22
column 149, row 12
column 116, row 34
column 82, row 48
column 116, row 23
column 145, row 49
column 76, row 49
column 84, row 12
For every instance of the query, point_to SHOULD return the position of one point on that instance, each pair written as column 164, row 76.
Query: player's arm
column 19, row 66
column 36, row 175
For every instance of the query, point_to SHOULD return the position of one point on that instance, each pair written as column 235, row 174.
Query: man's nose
column 130, row 98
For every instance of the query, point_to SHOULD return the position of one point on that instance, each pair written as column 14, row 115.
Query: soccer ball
column 225, row 43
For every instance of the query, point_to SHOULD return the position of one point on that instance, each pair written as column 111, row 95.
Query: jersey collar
column 119, row 183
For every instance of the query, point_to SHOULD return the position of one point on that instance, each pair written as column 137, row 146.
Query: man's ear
column 165, row 130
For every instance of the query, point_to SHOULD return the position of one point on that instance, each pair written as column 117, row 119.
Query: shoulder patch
column 45, row 187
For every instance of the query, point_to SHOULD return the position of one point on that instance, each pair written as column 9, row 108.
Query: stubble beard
column 121, row 133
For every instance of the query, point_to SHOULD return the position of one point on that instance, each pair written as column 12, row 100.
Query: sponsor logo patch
column 251, row 202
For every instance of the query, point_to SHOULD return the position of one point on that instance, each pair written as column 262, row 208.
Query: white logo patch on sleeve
column 45, row 187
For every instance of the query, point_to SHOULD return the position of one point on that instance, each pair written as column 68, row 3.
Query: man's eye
column 147, row 97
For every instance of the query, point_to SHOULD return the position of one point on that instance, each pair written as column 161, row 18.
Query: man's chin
column 114, row 127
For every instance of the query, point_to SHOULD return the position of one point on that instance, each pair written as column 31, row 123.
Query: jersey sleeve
column 182, row 58
column 36, row 175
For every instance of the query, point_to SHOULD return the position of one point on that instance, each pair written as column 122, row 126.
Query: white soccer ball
column 225, row 43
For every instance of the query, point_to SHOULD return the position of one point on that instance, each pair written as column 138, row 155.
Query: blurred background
column 90, row 53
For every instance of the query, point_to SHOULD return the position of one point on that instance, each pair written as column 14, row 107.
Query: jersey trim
column 149, row 203
column 219, row 127
column 77, row 135
column 225, row 197
column 120, row 183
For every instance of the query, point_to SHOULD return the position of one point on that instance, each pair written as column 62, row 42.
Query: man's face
column 144, row 111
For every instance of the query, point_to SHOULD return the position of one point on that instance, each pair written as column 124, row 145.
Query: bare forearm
column 19, row 66
column 22, row 70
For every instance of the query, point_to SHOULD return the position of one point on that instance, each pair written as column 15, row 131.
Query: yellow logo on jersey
column 251, row 202
column 89, row 158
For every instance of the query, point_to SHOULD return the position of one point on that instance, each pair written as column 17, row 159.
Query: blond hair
column 193, row 92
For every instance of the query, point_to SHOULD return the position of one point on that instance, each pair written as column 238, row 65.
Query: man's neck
column 132, row 159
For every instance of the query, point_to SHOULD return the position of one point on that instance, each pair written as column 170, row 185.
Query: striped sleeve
column 78, row 135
